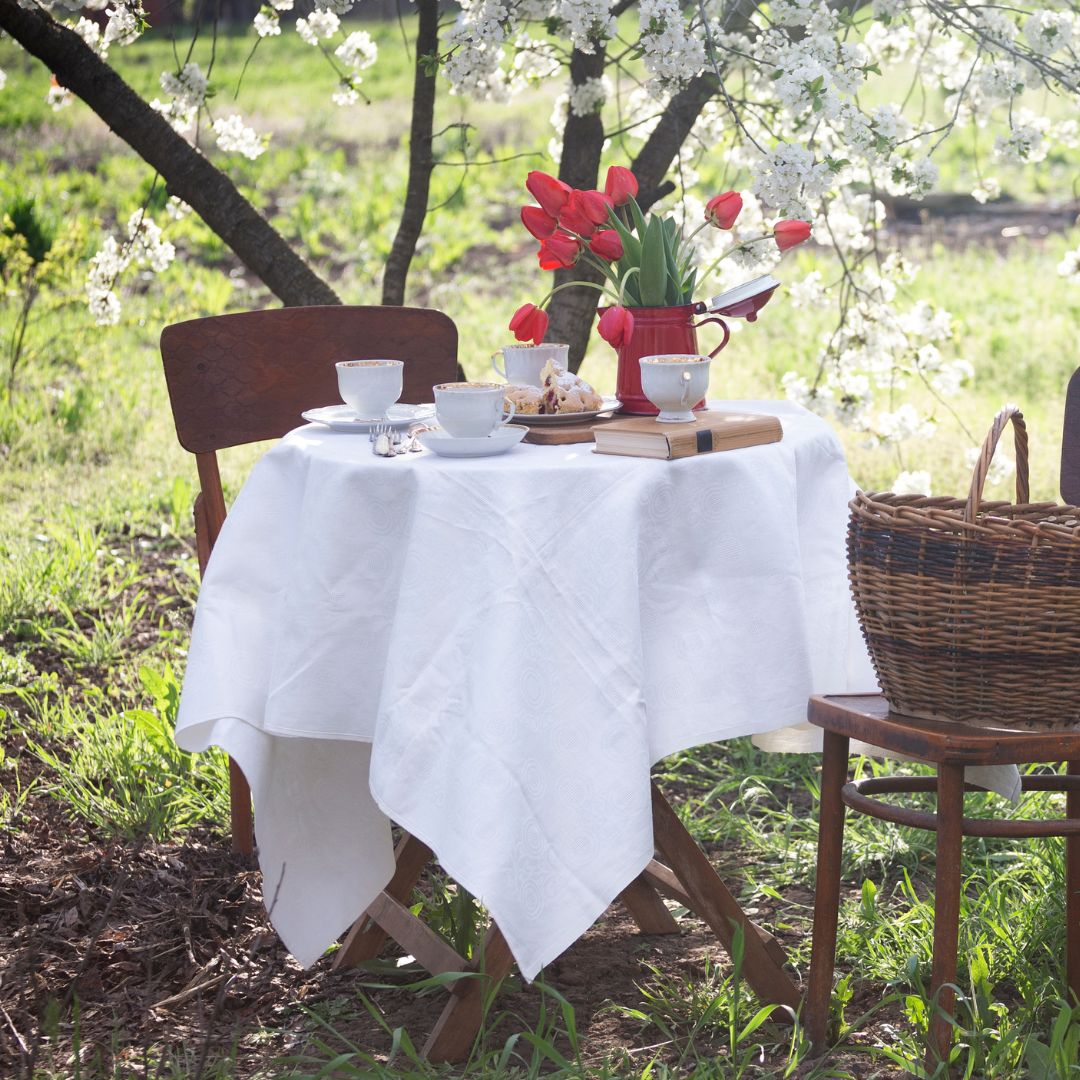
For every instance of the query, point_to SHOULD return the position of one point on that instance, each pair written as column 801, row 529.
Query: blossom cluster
column 144, row 245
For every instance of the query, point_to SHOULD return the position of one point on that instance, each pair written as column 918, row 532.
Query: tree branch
column 188, row 175
column 421, row 161
column 572, row 310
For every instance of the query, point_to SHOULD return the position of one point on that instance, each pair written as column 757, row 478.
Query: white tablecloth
column 493, row 652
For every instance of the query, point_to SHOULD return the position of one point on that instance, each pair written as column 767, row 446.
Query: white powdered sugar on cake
column 565, row 392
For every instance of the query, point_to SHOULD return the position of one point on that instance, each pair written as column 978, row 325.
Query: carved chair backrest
column 243, row 378
column 1070, row 444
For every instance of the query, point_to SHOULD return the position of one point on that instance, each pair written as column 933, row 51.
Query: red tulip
column 789, row 233
column 593, row 204
column 607, row 245
column 722, row 210
column 537, row 221
column 529, row 323
column 573, row 218
column 616, row 326
column 549, row 192
column 620, row 185
column 558, row 251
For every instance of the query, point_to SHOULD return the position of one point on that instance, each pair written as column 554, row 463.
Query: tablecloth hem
column 529, row 964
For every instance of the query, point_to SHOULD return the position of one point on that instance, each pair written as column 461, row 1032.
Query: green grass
column 97, row 573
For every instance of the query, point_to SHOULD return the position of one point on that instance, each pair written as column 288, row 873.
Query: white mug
column 674, row 383
column 522, row 364
column 471, row 409
column 369, row 387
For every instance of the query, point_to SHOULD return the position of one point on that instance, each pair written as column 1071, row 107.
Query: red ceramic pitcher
column 657, row 330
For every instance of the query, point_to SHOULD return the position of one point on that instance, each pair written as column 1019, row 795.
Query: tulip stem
column 574, row 285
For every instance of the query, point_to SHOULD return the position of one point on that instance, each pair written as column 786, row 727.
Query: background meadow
column 115, row 889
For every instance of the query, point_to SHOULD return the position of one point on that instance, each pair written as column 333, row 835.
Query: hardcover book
column 643, row 436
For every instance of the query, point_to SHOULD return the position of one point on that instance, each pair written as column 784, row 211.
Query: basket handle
column 986, row 455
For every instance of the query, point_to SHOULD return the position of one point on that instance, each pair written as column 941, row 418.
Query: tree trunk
column 187, row 174
column 421, row 161
column 663, row 145
column 572, row 310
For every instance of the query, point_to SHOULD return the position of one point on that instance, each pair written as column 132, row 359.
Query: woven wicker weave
column 971, row 609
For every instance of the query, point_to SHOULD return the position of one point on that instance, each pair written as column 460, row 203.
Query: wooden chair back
column 1070, row 444
column 244, row 378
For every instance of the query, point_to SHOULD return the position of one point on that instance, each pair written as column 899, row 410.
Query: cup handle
column 513, row 409
column 495, row 366
column 684, row 401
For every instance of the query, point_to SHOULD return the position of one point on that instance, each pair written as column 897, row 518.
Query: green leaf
column 631, row 244
column 654, row 270
column 638, row 217
column 689, row 284
column 674, row 277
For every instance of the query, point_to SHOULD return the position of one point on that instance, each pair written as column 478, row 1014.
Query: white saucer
column 342, row 418
column 498, row 442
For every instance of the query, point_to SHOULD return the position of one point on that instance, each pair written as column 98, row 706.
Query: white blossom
column 143, row 246
column 1048, row 32
column 58, row 96
column 233, row 136
column 318, row 26
column 588, row 97
column 986, row 190
column 3, row 78
column 952, row 377
column 345, row 95
column 585, row 22
column 267, row 23
column 1069, row 267
column 672, row 53
column 123, row 26
column 187, row 88
column 357, row 51
column 1026, row 140
column 790, row 181
column 90, row 32
column 912, row 483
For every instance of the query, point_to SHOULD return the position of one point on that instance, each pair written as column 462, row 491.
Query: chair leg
column 834, row 763
column 1072, row 897
column 240, row 816
column 950, row 819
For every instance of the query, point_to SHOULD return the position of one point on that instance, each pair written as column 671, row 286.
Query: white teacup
column 369, row 387
column 522, row 364
column 471, row 409
column 674, row 383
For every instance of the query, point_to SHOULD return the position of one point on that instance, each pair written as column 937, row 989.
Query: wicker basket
column 971, row 610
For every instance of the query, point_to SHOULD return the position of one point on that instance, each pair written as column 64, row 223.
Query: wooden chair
column 244, row 378
column 950, row 747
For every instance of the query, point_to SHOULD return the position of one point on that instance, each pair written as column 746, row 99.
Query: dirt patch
column 156, row 950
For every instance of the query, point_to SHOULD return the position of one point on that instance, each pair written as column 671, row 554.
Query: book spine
column 688, row 443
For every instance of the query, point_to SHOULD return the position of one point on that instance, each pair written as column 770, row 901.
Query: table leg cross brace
column 689, row 879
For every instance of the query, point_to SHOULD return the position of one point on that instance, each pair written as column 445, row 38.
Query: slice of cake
column 565, row 392
column 528, row 400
